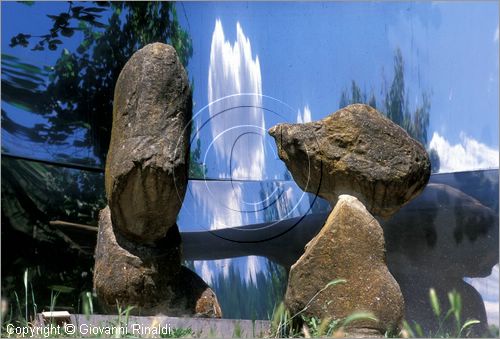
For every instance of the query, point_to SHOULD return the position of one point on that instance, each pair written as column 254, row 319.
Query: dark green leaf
column 61, row 288
column 94, row 10
column 88, row 17
column 67, row 32
column 81, row 49
column 99, row 24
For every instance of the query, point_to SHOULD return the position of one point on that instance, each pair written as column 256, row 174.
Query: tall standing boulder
column 147, row 162
column 138, row 253
column 350, row 246
column 355, row 151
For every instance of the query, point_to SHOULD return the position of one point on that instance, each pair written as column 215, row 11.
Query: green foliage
column 281, row 326
column 196, row 167
column 328, row 327
column 62, row 27
column 355, row 96
column 76, row 94
column 16, row 316
column 493, row 331
column 395, row 101
column 237, row 332
column 178, row 333
column 33, row 194
column 436, row 308
column 453, row 313
column 87, row 303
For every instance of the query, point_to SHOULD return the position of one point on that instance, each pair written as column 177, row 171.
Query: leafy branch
column 63, row 25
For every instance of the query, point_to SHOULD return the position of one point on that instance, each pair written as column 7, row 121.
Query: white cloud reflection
column 220, row 205
column 213, row 271
column 304, row 116
column 238, row 133
column 467, row 155
column 238, row 143
column 208, row 269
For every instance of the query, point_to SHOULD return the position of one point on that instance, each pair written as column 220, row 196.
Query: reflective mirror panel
column 431, row 67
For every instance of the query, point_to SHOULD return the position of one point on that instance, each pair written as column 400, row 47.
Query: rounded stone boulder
column 355, row 151
column 147, row 162
column 150, row 278
column 351, row 247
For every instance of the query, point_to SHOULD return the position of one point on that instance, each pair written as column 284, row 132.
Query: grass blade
column 26, row 294
column 436, row 308
column 359, row 316
column 335, row 282
column 468, row 324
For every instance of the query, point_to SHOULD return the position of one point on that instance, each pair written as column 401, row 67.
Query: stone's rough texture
column 350, row 246
column 138, row 253
column 355, row 151
column 147, row 162
column 150, row 278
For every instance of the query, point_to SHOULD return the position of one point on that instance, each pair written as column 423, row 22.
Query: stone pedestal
column 350, row 246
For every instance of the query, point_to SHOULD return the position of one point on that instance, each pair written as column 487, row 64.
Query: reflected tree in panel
column 395, row 104
column 77, row 92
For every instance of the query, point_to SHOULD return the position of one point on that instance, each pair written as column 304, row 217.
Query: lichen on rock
column 355, row 151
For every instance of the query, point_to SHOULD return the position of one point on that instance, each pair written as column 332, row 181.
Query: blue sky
column 309, row 52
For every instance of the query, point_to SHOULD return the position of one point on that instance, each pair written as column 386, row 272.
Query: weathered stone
column 150, row 278
column 355, row 151
column 147, row 162
column 350, row 246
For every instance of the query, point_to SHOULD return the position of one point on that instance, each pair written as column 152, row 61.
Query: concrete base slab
column 115, row 326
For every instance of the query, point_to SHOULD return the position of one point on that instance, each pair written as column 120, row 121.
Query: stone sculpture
column 353, row 153
column 350, row 246
column 147, row 161
column 138, row 253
